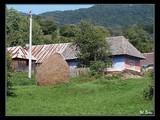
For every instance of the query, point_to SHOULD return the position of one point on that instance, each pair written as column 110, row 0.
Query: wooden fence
column 78, row 71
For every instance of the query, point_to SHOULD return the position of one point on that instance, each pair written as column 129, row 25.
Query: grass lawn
column 97, row 97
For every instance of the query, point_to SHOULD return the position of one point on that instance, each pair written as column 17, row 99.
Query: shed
column 147, row 63
column 20, row 58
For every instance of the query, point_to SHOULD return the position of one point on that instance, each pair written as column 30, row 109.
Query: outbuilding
column 147, row 63
column 20, row 59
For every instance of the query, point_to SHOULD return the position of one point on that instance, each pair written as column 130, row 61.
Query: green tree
column 12, row 26
column 37, row 34
column 65, row 34
column 48, row 25
column 38, row 19
column 147, row 27
column 9, row 75
column 17, row 29
column 69, row 30
column 90, row 40
column 138, row 37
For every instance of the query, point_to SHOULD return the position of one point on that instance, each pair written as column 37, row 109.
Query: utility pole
column 30, row 46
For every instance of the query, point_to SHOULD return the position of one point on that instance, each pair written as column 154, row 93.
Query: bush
column 148, row 93
column 97, row 68
column 149, row 73
column 9, row 76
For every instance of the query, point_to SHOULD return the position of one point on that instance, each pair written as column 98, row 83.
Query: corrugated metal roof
column 19, row 52
column 70, row 52
column 42, row 52
column 121, row 46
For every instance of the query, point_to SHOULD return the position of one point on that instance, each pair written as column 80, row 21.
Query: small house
column 125, row 55
column 147, row 63
column 20, row 59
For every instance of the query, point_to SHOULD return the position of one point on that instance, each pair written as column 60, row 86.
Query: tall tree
column 37, row 34
column 91, row 42
column 69, row 30
column 12, row 26
column 48, row 25
column 17, row 29
column 138, row 37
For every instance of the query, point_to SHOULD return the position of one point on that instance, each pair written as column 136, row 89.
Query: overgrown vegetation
column 139, row 38
column 17, row 30
column 9, row 75
column 88, row 97
column 90, row 40
column 148, row 92
column 97, row 67
column 21, row 79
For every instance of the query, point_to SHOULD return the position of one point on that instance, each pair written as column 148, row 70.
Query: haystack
column 52, row 71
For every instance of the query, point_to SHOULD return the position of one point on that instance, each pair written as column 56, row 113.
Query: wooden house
column 20, row 58
column 125, row 55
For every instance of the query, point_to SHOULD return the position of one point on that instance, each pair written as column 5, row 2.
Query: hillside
column 109, row 15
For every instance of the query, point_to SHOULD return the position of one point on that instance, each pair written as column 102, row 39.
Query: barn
column 20, row 59
column 67, row 50
column 125, row 55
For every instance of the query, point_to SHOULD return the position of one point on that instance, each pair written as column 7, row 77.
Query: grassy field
column 97, row 97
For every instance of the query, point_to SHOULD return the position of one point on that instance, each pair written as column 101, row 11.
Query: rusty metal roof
column 19, row 52
column 42, row 52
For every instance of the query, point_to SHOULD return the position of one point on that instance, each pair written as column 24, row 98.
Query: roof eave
column 129, row 55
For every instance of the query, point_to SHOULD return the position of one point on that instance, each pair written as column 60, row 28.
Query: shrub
column 97, row 68
column 149, row 73
column 9, row 76
column 148, row 92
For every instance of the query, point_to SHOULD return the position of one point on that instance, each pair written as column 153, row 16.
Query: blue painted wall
column 72, row 63
column 118, row 62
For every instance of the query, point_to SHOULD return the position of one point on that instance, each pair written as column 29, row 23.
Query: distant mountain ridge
column 106, row 14
column 109, row 15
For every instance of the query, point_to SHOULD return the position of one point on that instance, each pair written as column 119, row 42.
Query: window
column 132, row 65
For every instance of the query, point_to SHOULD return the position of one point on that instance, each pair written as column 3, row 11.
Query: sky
column 37, row 9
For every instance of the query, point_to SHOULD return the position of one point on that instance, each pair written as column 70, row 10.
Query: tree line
column 48, row 31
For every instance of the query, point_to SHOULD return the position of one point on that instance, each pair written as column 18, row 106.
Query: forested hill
column 107, row 15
